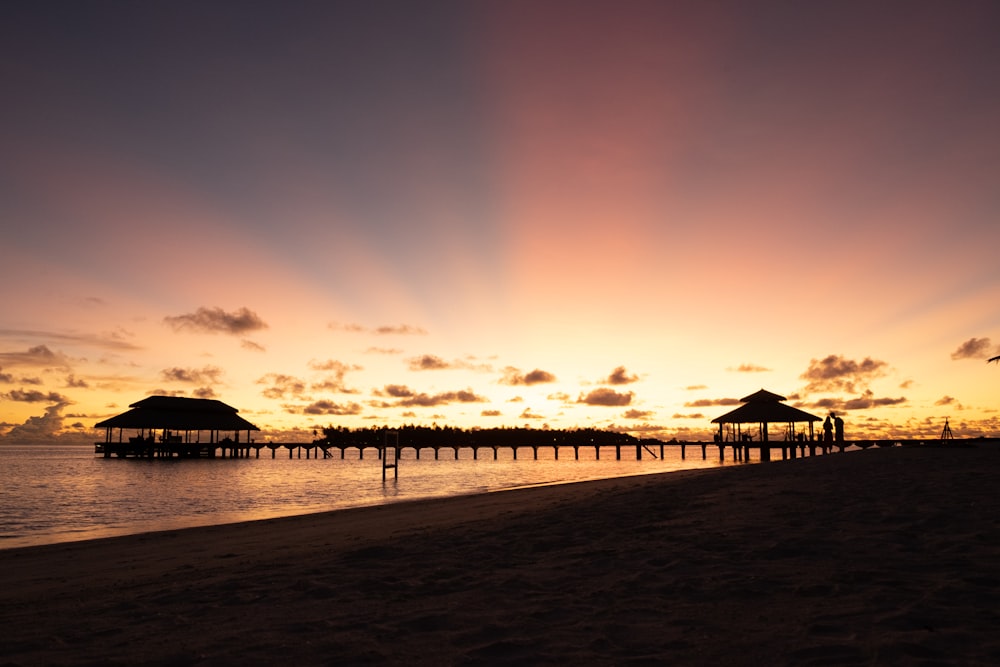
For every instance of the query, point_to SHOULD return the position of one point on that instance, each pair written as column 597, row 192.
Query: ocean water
column 60, row 493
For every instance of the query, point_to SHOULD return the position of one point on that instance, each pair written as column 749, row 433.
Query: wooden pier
column 643, row 449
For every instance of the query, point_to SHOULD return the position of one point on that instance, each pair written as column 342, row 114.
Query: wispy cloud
column 710, row 402
column 431, row 362
column 384, row 330
column 110, row 341
column 39, row 355
column 216, row 320
column 208, row 374
column 750, row 368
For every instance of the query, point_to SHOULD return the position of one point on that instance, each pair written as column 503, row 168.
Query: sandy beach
column 885, row 556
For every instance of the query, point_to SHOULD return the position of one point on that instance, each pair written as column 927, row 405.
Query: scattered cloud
column 204, row 392
column 330, row 408
column 35, row 396
column 513, row 376
column 834, row 373
column 620, row 376
column 428, row 362
column 6, row 378
column 606, row 397
column 397, row 391
column 865, row 401
column 208, row 374
column 693, row 415
column 945, row 400
column 406, row 397
column 336, row 371
column 423, row 400
column 216, row 320
column 528, row 414
column 976, row 348
column 637, row 414
column 489, row 413
column 696, row 387
column 74, row 382
column 281, row 386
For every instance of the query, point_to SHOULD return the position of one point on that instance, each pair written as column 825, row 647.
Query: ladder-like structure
column 946, row 434
column 390, row 460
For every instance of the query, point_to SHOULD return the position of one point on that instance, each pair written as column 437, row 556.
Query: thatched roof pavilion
column 763, row 408
column 173, row 414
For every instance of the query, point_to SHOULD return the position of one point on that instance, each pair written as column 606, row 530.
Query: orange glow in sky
column 605, row 214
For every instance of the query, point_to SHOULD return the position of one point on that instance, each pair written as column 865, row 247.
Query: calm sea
column 60, row 493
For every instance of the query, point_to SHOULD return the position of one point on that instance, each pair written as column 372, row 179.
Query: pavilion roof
column 179, row 414
column 764, row 407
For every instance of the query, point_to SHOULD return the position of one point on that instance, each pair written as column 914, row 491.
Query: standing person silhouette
column 838, row 426
column 827, row 433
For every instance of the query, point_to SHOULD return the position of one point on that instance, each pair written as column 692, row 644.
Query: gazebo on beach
column 762, row 408
column 169, row 425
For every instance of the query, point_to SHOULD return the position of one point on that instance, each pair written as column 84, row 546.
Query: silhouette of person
column 838, row 425
column 828, row 429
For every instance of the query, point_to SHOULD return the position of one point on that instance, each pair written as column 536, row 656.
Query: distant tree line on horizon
column 448, row 436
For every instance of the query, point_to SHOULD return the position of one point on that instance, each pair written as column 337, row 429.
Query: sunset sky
column 568, row 214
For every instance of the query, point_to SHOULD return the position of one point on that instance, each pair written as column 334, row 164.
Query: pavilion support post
column 765, row 445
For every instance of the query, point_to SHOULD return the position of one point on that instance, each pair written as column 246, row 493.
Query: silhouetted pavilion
column 180, row 422
column 763, row 408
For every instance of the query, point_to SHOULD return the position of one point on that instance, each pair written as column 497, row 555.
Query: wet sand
column 884, row 556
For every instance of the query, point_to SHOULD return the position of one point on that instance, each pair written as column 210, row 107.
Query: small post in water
column 386, row 462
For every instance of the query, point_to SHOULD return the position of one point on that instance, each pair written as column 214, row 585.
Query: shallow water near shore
column 61, row 493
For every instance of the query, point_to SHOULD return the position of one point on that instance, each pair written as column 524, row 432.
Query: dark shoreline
column 883, row 556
